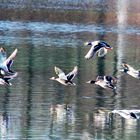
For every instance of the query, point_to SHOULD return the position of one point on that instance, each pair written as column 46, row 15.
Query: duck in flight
column 97, row 47
column 130, row 70
column 6, row 63
column 105, row 81
column 65, row 79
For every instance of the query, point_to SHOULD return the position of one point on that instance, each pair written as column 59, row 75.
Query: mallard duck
column 97, row 47
column 6, row 63
column 127, row 114
column 65, row 79
column 105, row 81
column 130, row 70
column 4, row 80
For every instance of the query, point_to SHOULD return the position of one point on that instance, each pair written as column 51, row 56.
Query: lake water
column 52, row 33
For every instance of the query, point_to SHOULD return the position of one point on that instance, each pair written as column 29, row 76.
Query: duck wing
column 11, row 57
column 60, row 73
column 72, row 74
column 110, row 85
column 2, row 55
column 90, row 53
column 9, row 66
column 93, row 50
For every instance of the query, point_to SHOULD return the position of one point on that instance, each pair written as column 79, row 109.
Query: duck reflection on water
column 62, row 112
column 126, row 114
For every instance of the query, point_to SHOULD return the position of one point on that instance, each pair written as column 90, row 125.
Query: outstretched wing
column 90, row 53
column 2, row 55
column 11, row 57
column 72, row 74
column 93, row 50
column 60, row 73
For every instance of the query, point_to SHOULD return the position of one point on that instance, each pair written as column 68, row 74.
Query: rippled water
column 49, row 34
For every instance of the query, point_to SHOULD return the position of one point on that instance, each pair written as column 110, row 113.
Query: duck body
column 105, row 81
column 5, row 80
column 130, row 71
column 65, row 79
column 97, row 47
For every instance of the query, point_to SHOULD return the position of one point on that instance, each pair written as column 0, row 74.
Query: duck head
column 107, row 46
column 125, row 67
column 52, row 78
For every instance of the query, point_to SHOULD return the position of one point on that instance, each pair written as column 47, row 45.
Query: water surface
column 49, row 34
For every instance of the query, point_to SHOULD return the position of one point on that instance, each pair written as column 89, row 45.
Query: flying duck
column 105, row 81
column 130, row 70
column 127, row 114
column 65, row 79
column 97, row 47
column 6, row 63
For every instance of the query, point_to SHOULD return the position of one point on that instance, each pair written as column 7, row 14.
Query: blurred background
column 52, row 33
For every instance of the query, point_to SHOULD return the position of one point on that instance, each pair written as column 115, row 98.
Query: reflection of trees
column 29, row 92
column 4, row 118
column 100, row 61
column 38, row 94
column 122, row 23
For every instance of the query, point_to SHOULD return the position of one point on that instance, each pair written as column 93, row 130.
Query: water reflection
column 121, row 41
column 4, row 126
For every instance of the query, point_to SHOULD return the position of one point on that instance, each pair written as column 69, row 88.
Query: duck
column 6, row 63
column 65, row 79
column 97, row 47
column 127, row 114
column 130, row 70
column 105, row 81
column 5, row 80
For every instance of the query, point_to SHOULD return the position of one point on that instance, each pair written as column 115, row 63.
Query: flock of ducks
column 98, row 48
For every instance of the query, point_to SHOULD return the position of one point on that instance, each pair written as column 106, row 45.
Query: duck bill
column 52, row 78
column 110, row 48
column 87, row 44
